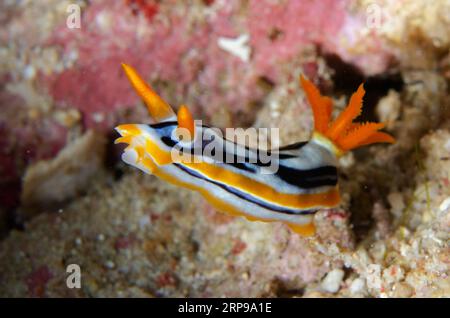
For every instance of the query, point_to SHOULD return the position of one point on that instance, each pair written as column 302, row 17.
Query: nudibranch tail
column 308, row 229
column 342, row 134
column 158, row 108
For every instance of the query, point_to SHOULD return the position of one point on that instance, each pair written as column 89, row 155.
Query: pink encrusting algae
column 37, row 281
column 181, row 49
column 138, row 237
column 280, row 32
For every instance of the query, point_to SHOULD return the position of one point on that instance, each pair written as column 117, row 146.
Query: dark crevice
column 281, row 289
column 113, row 156
column 348, row 77
column 348, row 273
column 12, row 221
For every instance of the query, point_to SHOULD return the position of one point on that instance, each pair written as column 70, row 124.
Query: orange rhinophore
column 342, row 132
column 185, row 120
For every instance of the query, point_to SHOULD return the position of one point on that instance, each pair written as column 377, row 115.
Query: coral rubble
column 65, row 197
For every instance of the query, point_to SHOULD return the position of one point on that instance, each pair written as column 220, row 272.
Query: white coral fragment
column 237, row 47
column 332, row 281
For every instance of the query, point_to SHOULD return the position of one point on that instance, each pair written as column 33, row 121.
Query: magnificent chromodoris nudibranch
column 306, row 179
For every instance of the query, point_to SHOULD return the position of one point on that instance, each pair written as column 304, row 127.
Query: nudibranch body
column 190, row 155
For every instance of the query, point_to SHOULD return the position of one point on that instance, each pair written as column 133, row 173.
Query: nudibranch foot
column 308, row 229
column 304, row 181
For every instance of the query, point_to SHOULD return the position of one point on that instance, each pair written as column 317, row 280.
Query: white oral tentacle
column 130, row 156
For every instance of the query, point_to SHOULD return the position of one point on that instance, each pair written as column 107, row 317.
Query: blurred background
column 66, row 198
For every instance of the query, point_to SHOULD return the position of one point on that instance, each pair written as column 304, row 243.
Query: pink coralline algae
column 165, row 50
column 165, row 279
column 238, row 247
column 280, row 32
column 37, row 281
column 124, row 242
column 181, row 49
column 235, row 64
column 148, row 7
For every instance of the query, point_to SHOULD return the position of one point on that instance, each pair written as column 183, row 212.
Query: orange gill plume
column 342, row 132
column 185, row 121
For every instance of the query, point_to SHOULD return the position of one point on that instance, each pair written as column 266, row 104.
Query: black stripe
column 305, row 179
column 242, row 166
column 294, row 146
column 282, row 156
column 297, row 145
column 169, row 142
column 239, row 162
column 163, row 124
column 244, row 195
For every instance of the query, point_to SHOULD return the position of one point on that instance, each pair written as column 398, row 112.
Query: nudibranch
column 306, row 179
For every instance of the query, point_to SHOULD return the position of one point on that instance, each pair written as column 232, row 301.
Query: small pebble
column 110, row 264
column 402, row 290
column 358, row 286
column 144, row 221
column 445, row 205
column 98, row 117
column 332, row 281
column 29, row 72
